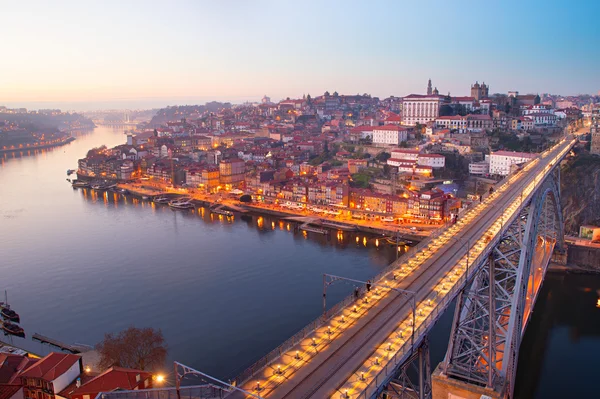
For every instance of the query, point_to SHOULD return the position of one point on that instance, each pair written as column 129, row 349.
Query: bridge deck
column 356, row 355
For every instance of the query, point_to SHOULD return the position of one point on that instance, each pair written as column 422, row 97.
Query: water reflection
column 262, row 224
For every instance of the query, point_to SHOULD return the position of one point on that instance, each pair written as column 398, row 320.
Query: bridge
column 373, row 344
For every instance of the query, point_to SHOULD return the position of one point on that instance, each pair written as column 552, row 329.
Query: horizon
column 104, row 55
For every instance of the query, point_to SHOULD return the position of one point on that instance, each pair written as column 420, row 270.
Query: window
column 86, row 396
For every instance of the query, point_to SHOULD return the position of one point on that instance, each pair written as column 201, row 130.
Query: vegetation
column 383, row 156
column 137, row 348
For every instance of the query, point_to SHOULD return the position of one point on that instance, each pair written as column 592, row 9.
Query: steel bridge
column 373, row 344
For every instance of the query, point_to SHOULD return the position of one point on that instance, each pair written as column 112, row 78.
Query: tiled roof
column 111, row 379
column 51, row 367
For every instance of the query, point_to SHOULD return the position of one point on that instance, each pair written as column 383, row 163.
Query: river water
column 78, row 264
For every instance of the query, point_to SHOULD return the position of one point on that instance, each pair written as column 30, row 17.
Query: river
column 77, row 265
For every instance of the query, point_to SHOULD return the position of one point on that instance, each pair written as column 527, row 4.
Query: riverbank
column 21, row 148
column 367, row 226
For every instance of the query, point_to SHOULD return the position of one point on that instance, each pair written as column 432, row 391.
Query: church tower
column 429, row 90
column 436, row 92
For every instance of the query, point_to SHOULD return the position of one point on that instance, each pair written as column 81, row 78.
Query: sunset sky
column 92, row 54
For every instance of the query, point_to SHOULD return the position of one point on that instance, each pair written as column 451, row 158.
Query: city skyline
column 110, row 55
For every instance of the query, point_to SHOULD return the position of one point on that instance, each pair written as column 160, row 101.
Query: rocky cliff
column 580, row 191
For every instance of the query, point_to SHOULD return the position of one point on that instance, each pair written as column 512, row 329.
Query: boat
column 222, row 212
column 161, row 200
column 181, row 203
column 80, row 184
column 13, row 329
column 145, row 197
column 387, row 219
column 6, row 312
column 103, row 186
column 70, row 172
column 9, row 314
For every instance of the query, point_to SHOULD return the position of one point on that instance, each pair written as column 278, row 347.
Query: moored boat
column 181, row 203
column 161, row 200
column 13, row 329
column 80, row 184
column 222, row 212
column 9, row 314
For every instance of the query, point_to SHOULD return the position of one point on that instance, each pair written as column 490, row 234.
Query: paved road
column 326, row 368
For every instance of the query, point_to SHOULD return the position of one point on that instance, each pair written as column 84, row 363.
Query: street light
column 410, row 294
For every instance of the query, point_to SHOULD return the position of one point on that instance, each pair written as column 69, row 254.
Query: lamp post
column 329, row 279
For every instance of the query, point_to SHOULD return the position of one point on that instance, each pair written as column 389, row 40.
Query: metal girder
column 414, row 377
column 488, row 321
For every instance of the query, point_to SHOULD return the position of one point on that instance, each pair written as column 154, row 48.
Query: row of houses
column 62, row 376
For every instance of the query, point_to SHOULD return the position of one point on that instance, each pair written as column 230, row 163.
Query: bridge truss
column 494, row 308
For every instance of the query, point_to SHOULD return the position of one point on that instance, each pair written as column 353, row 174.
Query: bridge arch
column 493, row 309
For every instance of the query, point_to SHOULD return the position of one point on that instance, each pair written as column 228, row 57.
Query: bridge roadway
column 349, row 355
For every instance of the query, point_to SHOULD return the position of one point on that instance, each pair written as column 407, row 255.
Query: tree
column 383, row 156
column 137, row 348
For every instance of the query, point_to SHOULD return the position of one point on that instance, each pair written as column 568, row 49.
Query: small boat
column 181, row 203
column 70, row 172
column 9, row 314
column 222, row 212
column 13, row 329
column 80, row 184
column 6, row 312
column 161, row 200
column 145, row 197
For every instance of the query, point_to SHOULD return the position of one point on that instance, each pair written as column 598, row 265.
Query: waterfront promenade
column 36, row 146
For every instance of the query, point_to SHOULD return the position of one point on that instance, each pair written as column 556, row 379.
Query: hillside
column 580, row 191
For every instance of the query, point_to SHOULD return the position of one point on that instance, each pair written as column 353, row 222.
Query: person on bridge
column 368, row 285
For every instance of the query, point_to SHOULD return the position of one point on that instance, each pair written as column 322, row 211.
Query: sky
column 135, row 54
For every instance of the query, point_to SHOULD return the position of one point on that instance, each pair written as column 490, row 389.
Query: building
column 355, row 165
column 405, row 154
column 481, row 168
column 389, row 135
column 232, row 172
column 595, row 132
column 479, row 91
column 418, row 108
column 428, row 205
column 436, row 161
column 50, row 375
column 501, row 161
column 11, row 366
column 113, row 379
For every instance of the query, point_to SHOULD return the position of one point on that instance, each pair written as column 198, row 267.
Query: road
column 346, row 356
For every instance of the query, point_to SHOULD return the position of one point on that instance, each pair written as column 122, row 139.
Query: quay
column 61, row 345
column 141, row 190
column 57, row 143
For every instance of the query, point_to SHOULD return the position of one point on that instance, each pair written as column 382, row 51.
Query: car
column 387, row 219
column 413, row 229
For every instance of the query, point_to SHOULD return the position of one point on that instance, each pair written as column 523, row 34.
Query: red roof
column 7, row 391
column 11, row 365
column 111, row 379
column 390, row 127
column 51, row 367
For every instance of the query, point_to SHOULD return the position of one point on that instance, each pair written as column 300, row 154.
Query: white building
column 409, row 155
column 436, row 161
column 542, row 119
column 389, row 135
column 501, row 161
column 417, row 108
column 455, row 122
column 479, row 168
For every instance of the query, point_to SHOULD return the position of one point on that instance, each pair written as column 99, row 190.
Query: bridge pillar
column 444, row 387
